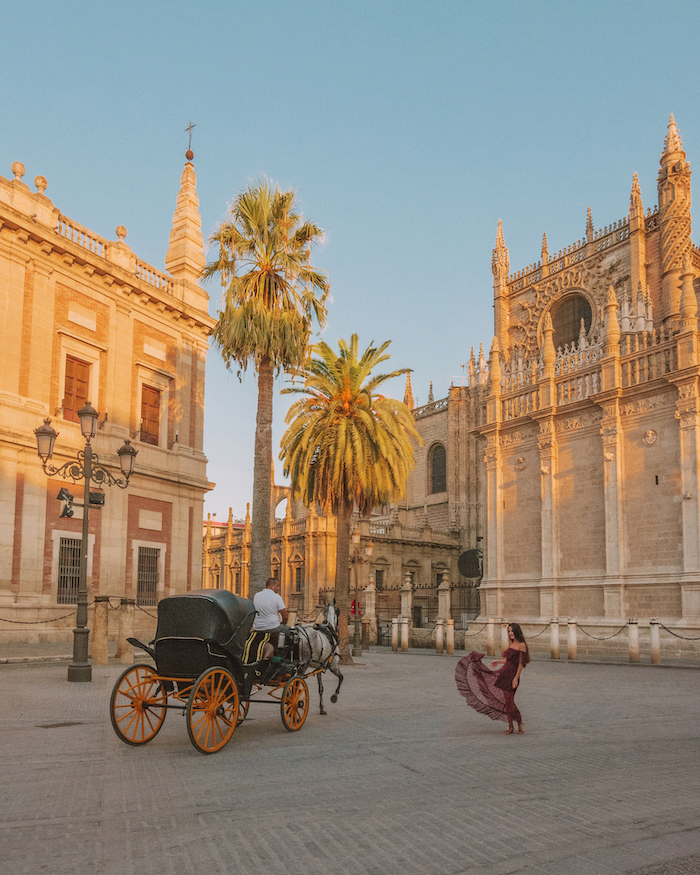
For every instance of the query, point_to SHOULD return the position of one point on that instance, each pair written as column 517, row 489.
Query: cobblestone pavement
column 400, row 777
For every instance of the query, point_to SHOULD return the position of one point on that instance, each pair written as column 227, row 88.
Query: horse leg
column 320, row 691
column 335, row 668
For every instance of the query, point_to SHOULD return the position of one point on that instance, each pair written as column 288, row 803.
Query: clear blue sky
column 407, row 129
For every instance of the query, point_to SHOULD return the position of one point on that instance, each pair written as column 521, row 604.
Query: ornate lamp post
column 359, row 560
column 87, row 469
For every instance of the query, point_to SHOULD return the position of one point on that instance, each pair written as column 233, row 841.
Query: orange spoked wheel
column 294, row 704
column 137, row 705
column 212, row 710
column 242, row 711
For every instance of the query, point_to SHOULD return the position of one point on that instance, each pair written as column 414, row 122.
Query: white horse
column 319, row 649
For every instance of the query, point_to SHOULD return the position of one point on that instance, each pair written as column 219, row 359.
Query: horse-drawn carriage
column 200, row 671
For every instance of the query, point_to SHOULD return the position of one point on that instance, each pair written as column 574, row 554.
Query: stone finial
column 408, row 393
column 589, row 225
column 41, row 184
column 185, row 256
column 472, row 368
column 18, row 170
column 431, row 397
column 229, row 522
column 612, row 326
column 545, row 251
column 121, row 233
column 247, row 514
column 636, row 206
column 500, row 262
column 672, row 140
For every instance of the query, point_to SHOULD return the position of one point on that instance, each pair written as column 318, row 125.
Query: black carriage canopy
column 210, row 614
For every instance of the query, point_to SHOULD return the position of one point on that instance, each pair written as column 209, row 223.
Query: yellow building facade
column 84, row 319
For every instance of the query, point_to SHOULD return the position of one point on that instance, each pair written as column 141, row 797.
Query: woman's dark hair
column 518, row 635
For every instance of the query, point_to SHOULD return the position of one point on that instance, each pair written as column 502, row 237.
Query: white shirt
column 267, row 603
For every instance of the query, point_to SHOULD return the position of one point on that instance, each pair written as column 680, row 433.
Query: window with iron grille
column 237, row 584
column 147, row 583
column 379, row 578
column 298, row 578
column 68, row 571
column 150, row 415
column 75, row 389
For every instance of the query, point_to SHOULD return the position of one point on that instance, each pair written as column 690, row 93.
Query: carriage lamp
column 357, row 559
column 86, row 468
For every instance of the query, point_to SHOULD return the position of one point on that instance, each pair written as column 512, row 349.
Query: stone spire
column 672, row 141
column 431, row 397
column 545, row 251
column 408, row 393
column 185, row 257
column 673, row 184
column 589, row 226
column 500, row 265
column 636, row 205
column 637, row 226
column 472, row 369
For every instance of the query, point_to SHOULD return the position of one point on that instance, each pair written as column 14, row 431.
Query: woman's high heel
column 509, row 731
column 521, row 731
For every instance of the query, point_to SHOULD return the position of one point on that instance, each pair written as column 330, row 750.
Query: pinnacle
column 672, row 141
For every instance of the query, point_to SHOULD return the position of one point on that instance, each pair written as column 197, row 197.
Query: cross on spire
column 189, row 129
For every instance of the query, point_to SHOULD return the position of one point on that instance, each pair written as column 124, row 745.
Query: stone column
column 505, row 640
column 546, row 442
column 395, row 634
column 125, row 652
column 407, row 599
column 572, row 649
column 100, row 635
column 450, row 637
column 404, row 634
column 687, row 409
column 439, row 636
column 611, row 435
column 554, row 639
column 445, row 598
column 633, row 632
column 490, row 632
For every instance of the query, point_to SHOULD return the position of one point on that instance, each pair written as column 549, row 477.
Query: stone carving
column 521, row 463
column 644, row 405
column 650, row 437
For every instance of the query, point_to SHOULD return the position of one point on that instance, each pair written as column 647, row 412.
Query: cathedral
column 563, row 479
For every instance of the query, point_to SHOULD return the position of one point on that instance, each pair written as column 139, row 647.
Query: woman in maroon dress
column 493, row 692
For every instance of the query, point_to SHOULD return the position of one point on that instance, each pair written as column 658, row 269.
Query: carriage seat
column 253, row 649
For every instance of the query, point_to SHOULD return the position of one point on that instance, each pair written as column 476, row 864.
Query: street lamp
column 87, row 469
column 359, row 560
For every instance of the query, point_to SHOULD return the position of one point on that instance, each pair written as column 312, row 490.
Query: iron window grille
column 147, row 582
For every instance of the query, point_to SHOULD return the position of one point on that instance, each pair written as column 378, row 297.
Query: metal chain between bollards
column 607, row 637
column 530, row 637
column 675, row 635
column 39, row 622
column 145, row 611
column 478, row 632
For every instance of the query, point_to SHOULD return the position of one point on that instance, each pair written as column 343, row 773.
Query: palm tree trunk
column 342, row 580
column 260, row 539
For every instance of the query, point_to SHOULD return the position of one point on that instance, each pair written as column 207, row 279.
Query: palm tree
column 273, row 296
column 347, row 445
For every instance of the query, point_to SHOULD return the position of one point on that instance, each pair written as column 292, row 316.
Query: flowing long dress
column 490, row 691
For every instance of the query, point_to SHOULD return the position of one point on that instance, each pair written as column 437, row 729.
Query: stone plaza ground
column 400, row 777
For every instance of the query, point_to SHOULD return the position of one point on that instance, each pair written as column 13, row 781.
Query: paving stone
column 400, row 777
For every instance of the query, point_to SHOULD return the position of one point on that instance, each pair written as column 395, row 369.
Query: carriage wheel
column 137, row 705
column 294, row 704
column 212, row 710
column 242, row 711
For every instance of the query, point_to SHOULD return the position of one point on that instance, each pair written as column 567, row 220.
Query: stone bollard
column 505, row 640
column 125, row 652
column 100, row 632
column 633, row 632
column 490, row 648
column 571, row 640
column 395, row 634
column 554, row 640
column 292, row 618
column 365, row 633
column 404, row 634
column 450, row 637
column 655, row 641
column 439, row 639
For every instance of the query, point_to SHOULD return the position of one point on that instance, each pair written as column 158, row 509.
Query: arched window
column 437, row 469
column 566, row 319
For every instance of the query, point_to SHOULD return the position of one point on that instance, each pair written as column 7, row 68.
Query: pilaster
column 611, row 437
column 547, row 446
